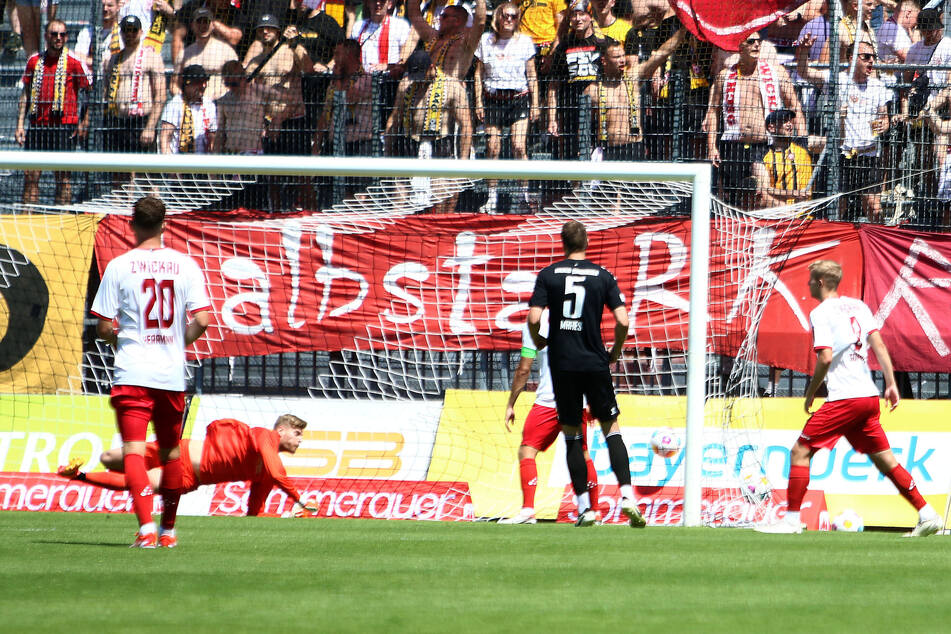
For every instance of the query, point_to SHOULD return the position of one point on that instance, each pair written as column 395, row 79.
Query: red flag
column 726, row 25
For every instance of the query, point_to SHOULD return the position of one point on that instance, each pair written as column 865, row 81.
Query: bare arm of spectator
column 396, row 116
column 21, row 117
column 222, row 136
column 658, row 57
column 479, row 89
column 415, row 16
column 179, row 31
column 930, row 113
column 812, row 75
column 157, row 80
column 464, row 120
column 553, row 87
column 302, row 61
column 165, row 138
column 212, row 136
column 474, row 32
column 231, row 35
column 254, row 50
column 534, row 95
column 790, row 99
column 711, row 123
column 175, row 81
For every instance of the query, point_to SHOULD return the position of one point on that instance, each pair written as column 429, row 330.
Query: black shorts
column 625, row 152
column 502, row 111
column 570, row 388
column 861, row 172
column 52, row 138
column 293, row 139
column 121, row 134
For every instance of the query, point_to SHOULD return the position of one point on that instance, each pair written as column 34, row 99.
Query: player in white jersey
column 149, row 292
column 541, row 426
column 843, row 330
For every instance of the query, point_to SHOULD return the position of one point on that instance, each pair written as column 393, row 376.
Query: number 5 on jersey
column 574, row 297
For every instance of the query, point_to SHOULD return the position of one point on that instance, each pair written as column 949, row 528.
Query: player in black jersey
column 576, row 290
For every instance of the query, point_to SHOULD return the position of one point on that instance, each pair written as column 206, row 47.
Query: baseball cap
column 578, row 5
column 779, row 117
column 202, row 12
column 130, row 21
column 417, row 65
column 268, row 20
column 929, row 19
column 194, row 72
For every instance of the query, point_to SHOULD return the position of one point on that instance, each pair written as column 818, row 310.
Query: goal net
column 394, row 328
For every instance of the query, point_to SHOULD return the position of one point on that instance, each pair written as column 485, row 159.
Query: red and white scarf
column 382, row 43
column 768, row 88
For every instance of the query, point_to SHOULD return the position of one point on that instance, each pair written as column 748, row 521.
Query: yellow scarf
column 59, row 84
column 114, row 45
column 439, row 57
column 432, row 123
column 633, row 109
column 186, row 136
column 156, row 35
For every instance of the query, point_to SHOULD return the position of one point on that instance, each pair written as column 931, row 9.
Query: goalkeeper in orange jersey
column 231, row 451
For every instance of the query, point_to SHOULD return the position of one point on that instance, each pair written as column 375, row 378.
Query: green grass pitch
column 72, row 573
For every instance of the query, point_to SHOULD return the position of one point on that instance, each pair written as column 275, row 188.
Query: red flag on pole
column 726, row 25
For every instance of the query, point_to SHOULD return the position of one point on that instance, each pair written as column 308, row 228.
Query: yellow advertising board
column 45, row 261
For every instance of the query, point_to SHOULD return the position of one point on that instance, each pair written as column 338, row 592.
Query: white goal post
column 696, row 175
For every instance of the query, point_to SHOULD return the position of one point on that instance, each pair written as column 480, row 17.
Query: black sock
column 620, row 463
column 577, row 467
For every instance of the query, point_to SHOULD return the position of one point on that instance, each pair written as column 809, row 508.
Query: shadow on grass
column 74, row 543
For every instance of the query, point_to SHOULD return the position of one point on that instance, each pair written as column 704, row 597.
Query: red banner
column 459, row 282
column 49, row 492
column 367, row 499
column 725, row 27
column 663, row 506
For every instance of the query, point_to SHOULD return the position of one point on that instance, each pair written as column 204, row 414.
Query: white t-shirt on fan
column 843, row 324
column 504, row 61
column 151, row 292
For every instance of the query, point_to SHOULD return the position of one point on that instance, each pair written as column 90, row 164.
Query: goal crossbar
column 698, row 175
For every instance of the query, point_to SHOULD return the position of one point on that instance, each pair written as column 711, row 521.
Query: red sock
column 139, row 488
column 171, row 491
column 906, row 486
column 107, row 480
column 529, row 474
column 796, row 489
column 592, row 484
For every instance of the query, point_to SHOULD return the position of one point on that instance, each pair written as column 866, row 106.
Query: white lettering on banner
column 464, row 260
column 521, row 282
column 244, row 270
column 67, row 449
column 760, row 276
column 34, row 452
column 44, row 496
column 290, row 240
column 414, row 271
column 6, row 438
column 324, row 238
column 902, row 290
column 651, row 289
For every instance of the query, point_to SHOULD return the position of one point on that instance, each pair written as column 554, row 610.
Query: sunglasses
column 867, row 57
column 509, row 16
column 130, row 29
column 753, row 41
column 58, row 33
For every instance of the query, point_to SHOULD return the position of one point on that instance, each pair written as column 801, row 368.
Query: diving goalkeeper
column 231, row 451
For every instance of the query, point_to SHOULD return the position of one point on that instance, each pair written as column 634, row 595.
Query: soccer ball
column 665, row 442
column 848, row 521
column 755, row 487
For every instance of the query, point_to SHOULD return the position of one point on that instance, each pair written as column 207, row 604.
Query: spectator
column 615, row 98
column 742, row 96
column 609, row 24
column 506, row 88
column 933, row 49
column 864, row 114
column 784, row 32
column 281, row 68
column 14, row 38
column 320, row 33
column 569, row 78
column 135, row 94
column 155, row 17
column 109, row 40
column 429, row 106
column 783, row 176
column 895, row 34
column 453, row 45
column 382, row 38
column 52, row 82
column 541, row 20
column 190, row 119
column 942, row 151
column 820, row 30
column 228, row 24
column 28, row 13
column 208, row 51
column 357, row 88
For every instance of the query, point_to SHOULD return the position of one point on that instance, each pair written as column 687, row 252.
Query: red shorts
column 135, row 406
column 542, row 428
column 854, row 418
column 189, row 481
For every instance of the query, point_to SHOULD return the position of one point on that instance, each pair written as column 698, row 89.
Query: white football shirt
column 150, row 292
column 544, row 394
column 843, row 325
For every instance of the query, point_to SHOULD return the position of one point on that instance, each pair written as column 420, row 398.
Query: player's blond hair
column 829, row 271
column 289, row 420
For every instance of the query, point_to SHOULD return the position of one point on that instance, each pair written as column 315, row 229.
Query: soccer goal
column 395, row 331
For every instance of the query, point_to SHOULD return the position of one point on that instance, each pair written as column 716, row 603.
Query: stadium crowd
column 597, row 80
